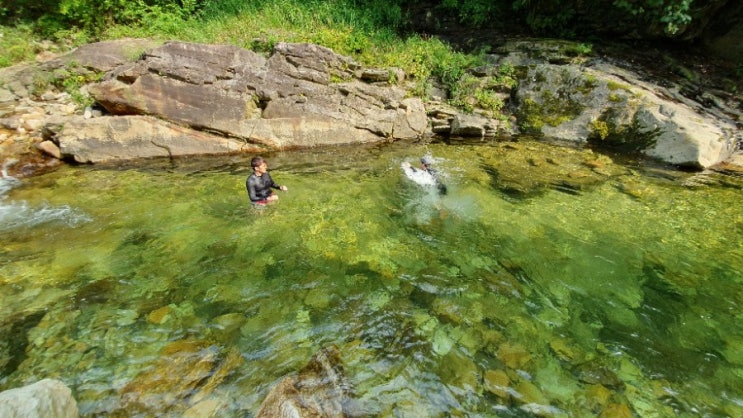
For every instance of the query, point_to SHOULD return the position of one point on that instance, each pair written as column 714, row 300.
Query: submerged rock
column 528, row 168
column 187, row 373
column 318, row 390
column 498, row 383
column 596, row 373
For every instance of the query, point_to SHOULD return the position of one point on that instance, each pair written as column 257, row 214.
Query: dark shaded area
column 705, row 55
column 18, row 341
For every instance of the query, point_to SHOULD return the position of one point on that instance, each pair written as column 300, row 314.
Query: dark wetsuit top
column 437, row 178
column 439, row 185
column 259, row 188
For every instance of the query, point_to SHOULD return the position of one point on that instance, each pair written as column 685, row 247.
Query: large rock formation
column 129, row 137
column 303, row 95
column 603, row 104
column 607, row 105
column 183, row 99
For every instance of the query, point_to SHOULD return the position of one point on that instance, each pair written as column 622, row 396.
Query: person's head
column 258, row 164
column 426, row 161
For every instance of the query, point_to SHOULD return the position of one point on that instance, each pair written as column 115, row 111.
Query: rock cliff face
column 301, row 96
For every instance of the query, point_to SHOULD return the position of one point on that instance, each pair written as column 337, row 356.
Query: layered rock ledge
column 179, row 99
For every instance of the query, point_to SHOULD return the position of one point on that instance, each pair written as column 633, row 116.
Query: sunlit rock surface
column 611, row 106
column 122, row 138
column 48, row 398
column 302, row 95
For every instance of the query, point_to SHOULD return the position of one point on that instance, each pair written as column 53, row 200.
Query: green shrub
column 17, row 44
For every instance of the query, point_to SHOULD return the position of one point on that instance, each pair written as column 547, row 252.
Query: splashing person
column 260, row 184
column 425, row 175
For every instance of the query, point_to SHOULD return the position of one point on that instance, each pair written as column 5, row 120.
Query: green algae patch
column 528, row 169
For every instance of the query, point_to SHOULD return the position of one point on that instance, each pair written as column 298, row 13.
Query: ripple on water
column 543, row 283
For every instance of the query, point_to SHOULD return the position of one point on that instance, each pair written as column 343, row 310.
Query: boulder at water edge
column 48, row 398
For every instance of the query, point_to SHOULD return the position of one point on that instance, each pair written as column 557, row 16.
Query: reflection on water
column 547, row 281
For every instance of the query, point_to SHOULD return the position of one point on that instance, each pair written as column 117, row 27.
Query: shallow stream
column 547, row 281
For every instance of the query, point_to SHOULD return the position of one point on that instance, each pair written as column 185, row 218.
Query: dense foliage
column 375, row 32
column 545, row 16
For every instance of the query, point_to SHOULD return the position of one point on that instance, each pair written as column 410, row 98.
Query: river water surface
column 547, row 281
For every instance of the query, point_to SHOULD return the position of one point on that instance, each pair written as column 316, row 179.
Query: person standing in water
column 260, row 183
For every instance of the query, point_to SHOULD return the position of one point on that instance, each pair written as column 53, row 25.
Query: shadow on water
column 16, row 349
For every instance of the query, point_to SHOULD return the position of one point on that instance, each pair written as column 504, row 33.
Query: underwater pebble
column 529, row 393
column 318, row 297
column 616, row 410
column 497, row 383
column 596, row 397
column 515, row 356
column 442, row 342
column 126, row 317
column 159, row 316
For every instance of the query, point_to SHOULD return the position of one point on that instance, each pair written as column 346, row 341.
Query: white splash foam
column 421, row 177
column 15, row 215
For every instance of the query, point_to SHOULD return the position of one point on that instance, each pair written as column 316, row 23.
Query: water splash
column 17, row 215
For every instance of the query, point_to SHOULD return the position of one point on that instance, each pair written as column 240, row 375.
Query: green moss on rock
column 606, row 133
column 551, row 109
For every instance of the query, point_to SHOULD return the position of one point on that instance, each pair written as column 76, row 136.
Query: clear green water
column 541, row 283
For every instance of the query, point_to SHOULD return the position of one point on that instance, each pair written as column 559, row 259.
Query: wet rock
column 555, row 382
column 50, row 148
column 318, row 298
column 188, row 370
column 232, row 361
column 522, row 171
column 608, row 105
column 597, row 397
column 210, row 408
column 113, row 139
column 159, row 316
column 596, row 373
column 616, row 410
column 513, row 355
column 318, row 390
column 459, row 370
column 528, row 393
column 565, row 350
column 442, row 342
column 33, row 122
column 48, row 398
column 733, row 350
column 228, row 325
column 733, row 165
column 497, row 383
